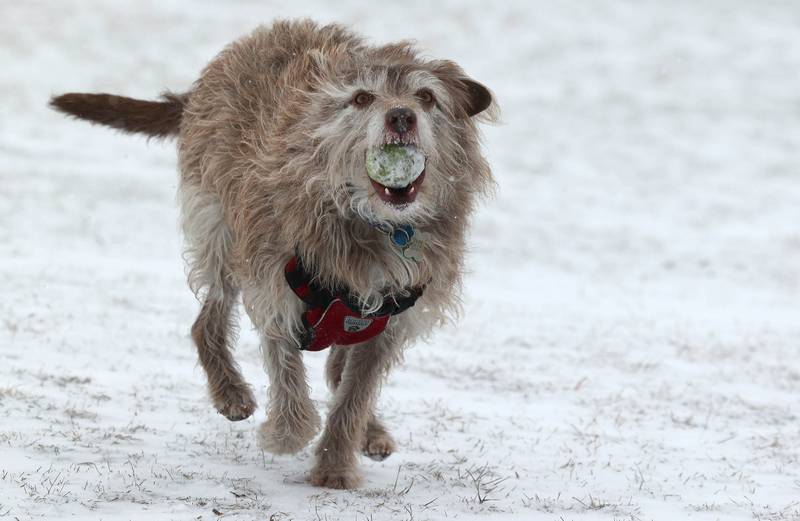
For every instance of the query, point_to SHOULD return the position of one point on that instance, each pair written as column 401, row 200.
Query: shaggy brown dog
column 272, row 145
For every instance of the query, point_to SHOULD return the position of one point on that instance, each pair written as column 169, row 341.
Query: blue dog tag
column 402, row 235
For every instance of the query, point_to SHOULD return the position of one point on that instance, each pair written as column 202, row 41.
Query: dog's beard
column 362, row 203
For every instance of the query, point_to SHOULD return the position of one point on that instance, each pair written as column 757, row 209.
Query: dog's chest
column 401, row 260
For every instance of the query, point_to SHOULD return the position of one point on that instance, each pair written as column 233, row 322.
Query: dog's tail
column 157, row 119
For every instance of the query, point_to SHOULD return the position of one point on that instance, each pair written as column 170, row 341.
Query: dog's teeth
column 386, row 191
column 411, row 191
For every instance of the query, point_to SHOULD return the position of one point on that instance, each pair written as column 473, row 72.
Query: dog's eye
column 362, row 99
column 425, row 97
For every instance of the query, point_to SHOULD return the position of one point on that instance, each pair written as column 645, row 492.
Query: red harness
column 334, row 317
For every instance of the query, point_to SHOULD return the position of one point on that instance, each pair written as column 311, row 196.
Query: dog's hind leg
column 376, row 443
column 213, row 333
column 214, row 330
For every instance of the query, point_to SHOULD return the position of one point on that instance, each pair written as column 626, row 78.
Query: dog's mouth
column 396, row 171
column 399, row 196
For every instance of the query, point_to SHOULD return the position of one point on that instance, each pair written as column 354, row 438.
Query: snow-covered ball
column 395, row 166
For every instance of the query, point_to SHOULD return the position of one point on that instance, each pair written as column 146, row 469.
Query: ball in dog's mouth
column 396, row 172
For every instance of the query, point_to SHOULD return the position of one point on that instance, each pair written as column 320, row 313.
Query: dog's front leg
column 365, row 365
column 377, row 443
column 292, row 421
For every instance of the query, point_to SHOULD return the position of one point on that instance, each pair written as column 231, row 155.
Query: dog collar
column 335, row 317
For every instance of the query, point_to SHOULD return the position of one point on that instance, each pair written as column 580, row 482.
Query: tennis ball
column 395, row 166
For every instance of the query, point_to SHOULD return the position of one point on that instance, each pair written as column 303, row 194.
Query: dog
column 278, row 210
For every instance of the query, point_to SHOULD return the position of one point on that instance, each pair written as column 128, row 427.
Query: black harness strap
column 303, row 284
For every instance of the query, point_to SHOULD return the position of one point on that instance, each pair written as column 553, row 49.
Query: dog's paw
column 235, row 402
column 282, row 436
column 338, row 478
column 378, row 445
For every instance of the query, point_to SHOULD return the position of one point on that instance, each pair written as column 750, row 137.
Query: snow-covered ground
column 630, row 347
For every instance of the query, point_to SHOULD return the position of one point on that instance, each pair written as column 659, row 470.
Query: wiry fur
column 272, row 163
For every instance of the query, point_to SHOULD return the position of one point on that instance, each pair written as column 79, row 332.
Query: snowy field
column 630, row 346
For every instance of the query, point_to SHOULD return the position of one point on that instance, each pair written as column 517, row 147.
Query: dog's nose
column 401, row 119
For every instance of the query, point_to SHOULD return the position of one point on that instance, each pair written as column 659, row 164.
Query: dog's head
column 389, row 97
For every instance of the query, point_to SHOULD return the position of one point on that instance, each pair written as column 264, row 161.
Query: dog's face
column 425, row 107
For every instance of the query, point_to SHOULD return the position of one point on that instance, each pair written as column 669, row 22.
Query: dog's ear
column 470, row 97
column 479, row 97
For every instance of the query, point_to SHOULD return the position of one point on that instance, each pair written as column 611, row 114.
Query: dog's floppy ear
column 470, row 97
column 479, row 97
